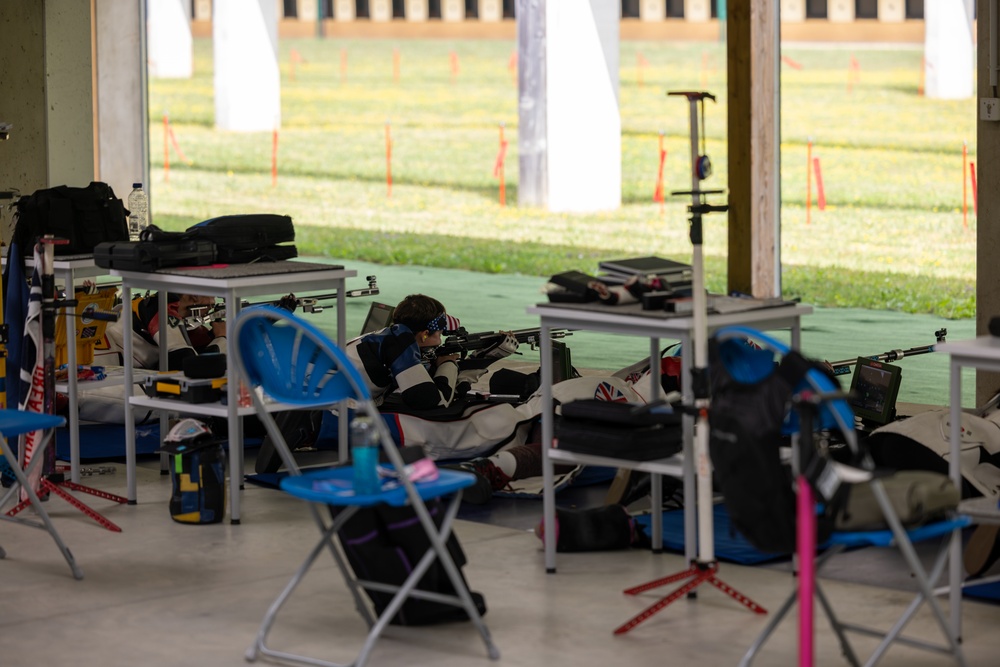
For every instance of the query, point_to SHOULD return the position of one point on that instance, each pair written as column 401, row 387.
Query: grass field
column 891, row 237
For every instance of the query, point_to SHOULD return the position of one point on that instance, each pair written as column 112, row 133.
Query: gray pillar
column 948, row 49
column 168, row 34
column 23, row 162
column 122, row 105
column 988, row 175
column 69, row 93
column 568, row 73
column 532, row 188
column 247, row 81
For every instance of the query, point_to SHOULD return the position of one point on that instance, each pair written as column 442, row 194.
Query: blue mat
column 106, row 442
column 989, row 592
column 102, row 442
column 730, row 545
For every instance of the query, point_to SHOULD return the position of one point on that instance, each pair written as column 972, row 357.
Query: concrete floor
column 163, row 593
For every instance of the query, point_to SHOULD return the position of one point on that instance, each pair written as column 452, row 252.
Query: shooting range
column 597, row 197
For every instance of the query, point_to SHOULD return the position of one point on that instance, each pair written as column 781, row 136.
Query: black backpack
column 383, row 543
column 745, row 419
column 83, row 216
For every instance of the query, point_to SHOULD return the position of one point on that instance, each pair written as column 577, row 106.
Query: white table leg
column 69, row 317
column 955, row 472
column 129, row 387
column 548, row 476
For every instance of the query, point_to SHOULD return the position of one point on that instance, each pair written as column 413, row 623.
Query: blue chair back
column 293, row 361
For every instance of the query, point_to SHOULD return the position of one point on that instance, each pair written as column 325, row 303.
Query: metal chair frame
column 291, row 362
column 12, row 424
column 837, row 412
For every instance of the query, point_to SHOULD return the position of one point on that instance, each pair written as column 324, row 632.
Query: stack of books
column 676, row 275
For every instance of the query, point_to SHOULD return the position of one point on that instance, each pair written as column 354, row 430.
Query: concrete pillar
column 77, row 103
column 988, row 220
column 168, row 38
column 23, row 156
column 247, row 82
column 570, row 140
column 69, row 93
column 948, row 49
column 122, row 100
column 532, row 187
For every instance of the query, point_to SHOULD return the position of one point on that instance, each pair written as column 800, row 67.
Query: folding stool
column 295, row 364
column 12, row 424
column 839, row 412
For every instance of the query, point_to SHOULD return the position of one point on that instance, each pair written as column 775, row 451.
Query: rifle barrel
column 891, row 355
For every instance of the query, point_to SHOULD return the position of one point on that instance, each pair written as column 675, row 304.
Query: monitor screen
column 379, row 317
column 874, row 388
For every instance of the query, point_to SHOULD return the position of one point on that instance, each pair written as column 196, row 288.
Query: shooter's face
column 189, row 301
column 428, row 339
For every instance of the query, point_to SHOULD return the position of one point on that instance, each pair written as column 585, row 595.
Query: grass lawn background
column 891, row 237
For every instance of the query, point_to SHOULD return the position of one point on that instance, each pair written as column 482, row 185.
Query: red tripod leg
column 46, row 484
column 121, row 500
column 692, row 571
column 698, row 579
column 736, row 595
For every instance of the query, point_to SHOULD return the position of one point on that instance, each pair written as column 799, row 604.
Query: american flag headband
column 443, row 322
column 439, row 323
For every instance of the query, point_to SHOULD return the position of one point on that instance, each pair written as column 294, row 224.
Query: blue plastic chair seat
column 16, row 422
column 885, row 538
column 334, row 487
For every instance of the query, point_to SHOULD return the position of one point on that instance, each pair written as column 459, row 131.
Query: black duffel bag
column 83, row 216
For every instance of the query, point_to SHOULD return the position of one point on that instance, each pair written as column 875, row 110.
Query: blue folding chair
column 295, row 364
column 12, row 424
column 835, row 412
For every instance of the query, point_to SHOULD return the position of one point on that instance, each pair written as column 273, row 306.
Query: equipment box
column 618, row 430
column 154, row 255
column 183, row 388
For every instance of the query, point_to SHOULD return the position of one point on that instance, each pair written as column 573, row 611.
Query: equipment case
column 248, row 237
column 154, row 255
column 619, row 430
column 183, row 388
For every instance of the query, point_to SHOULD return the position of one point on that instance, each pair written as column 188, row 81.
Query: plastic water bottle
column 364, row 456
column 138, row 212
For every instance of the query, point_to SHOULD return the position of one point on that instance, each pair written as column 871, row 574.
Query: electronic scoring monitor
column 874, row 387
column 379, row 317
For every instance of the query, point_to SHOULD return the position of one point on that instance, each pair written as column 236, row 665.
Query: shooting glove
column 504, row 346
column 470, row 375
